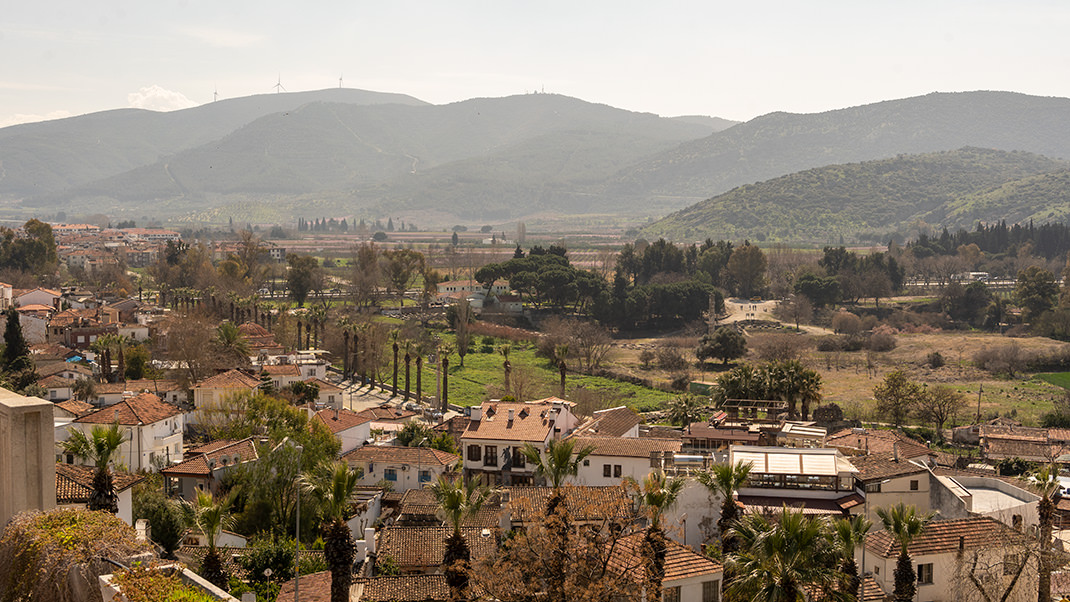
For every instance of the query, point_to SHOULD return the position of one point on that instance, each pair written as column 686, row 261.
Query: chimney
column 361, row 552
column 895, row 451
column 336, row 412
column 962, row 543
column 477, row 413
column 511, row 412
column 369, row 540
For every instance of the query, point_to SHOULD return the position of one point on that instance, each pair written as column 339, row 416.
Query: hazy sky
column 735, row 60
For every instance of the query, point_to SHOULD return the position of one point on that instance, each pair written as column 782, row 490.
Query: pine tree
column 16, row 354
column 390, row 224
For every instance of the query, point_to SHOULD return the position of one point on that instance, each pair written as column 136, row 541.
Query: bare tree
column 592, row 342
column 940, row 405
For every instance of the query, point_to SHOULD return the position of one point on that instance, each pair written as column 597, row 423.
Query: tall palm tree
column 685, row 409
column 418, row 349
column 904, row 524
column 98, row 448
column 725, row 480
column 560, row 355
column 84, row 389
column 210, row 515
column 332, row 485
column 785, row 559
column 394, row 335
column 444, row 351
column 232, row 344
column 458, row 501
column 507, row 366
column 657, row 494
column 408, row 367
column 343, row 325
column 1047, row 480
column 847, row 535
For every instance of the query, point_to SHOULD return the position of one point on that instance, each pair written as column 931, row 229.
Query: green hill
column 882, row 196
column 781, row 143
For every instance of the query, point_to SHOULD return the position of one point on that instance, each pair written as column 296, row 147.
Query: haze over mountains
column 269, row 158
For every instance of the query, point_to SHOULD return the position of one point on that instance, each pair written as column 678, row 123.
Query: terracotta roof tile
column 418, row 506
column 405, row 455
column 75, row 483
column 414, row 547
column 1033, row 451
column 57, row 367
column 55, row 382
column 344, row 419
column 281, row 370
column 145, row 408
column 681, row 562
column 231, row 379
column 138, row 386
column 324, row 386
column 76, row 407
column 531, row 422
column 387, row 414
column 871, row 591
column 877, row 441
column 883, row 466
column 583, row 502
column 614, row 422
column 199, row 460
column 941, row 537
column 400, row 588
column 628, row 447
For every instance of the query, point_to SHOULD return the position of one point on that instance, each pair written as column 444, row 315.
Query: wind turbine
column 278, row 86
column 215, row 94
column 339, row 82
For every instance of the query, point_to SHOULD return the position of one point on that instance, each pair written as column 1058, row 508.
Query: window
column 925, row 574
column 425, row 476
column 671, row 594
column 586, row 462
column 474, row 453
column 873, row 487
column 519, row 460
column 711, row 591
column 616, row 470
column 607, row 470
column 371, row 467
column 914, row 485
column 390, row 474
column 490, row 455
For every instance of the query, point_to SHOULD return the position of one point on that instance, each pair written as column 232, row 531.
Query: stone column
column 27, row 455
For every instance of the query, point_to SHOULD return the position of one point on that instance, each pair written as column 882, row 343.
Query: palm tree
column 394, row 334
column 343, row 325
column 847, row 535
column 418, row 349
column 98, row 448
column 332, row 486
column 561, row 461
column 84, row 389
column 408, row 366
column 458, row 501
column 657, row 495
column 1047, row 480
column 232, row 344
column 102, row 347
column 685, row 409
column 904, row 524
column 725, row 480
column 507, row 366
column 444, row 351
column 210, row 515
column 786, row 559
column 560, row 355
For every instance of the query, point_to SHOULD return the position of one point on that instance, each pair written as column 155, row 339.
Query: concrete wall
column 897, row 490
column 592, row 471
column 27, row 455
column 693, row 520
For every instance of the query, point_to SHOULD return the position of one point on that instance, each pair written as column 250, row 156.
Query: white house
column 152, row 429
column 689, row 576
column 59, row 388
column 498, row 431
column 351, row 428
column 944, row 554
column 6, row 296
column 38, row 296
column 404, row 468
column 215, row 389
column 204, row 467
column 615, row 458
column 282, row 375
column 888, row 480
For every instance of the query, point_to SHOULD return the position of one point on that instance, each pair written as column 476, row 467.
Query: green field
column 1059, row 379
column 482, row 376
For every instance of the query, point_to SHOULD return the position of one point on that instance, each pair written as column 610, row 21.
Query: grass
column 483, row 376
column 1059, row 379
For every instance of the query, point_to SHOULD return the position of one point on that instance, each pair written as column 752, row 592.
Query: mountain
column 53, row 156
column 953, row 188
column 781, row 143
column 392, row 154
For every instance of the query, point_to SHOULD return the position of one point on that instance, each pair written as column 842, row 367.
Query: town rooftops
column 231, row 379
column 387, row 414
column 281, row 370
column 943, row 536
column 613, row 422
column 144, row 385
column 584, row 502
column 510, row 421
column 425, row 546
column 629, row 448
column 396, row 588
column 201, row 461
column 681, row 562
column 403, row 455
column 874, row 467
column 145, row 408
column 76, row 407
column 877, row 441
column 74, row 484
column 342, row 419
column 791, row 461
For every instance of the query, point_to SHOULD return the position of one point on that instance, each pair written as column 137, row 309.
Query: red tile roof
column 76, row 407
column 199, row 460
column 681, row 562
column 55, row 382
column 883, row 466
column 943, row 536
column 281, row 370
column 628, row 447
column 231, row 379
column 342, row 420
column 420, row 547
column 405, row 455
column 531, row 422
column 387, row 414
column 324, row 386
column 75, row 483
column 145, row 408
column 877, row 441
column 614, row 422
column 584, row 502
column 400, row 588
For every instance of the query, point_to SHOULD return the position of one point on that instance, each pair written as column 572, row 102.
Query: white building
column 152, row 429
column 404, row 468
column 498, row 431
column 615, row 458
column 351, row 428
column 74, row 484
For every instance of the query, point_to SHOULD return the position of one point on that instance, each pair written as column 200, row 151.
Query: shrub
column 680, row 381
column 845, row 322
column 646, row 359
column 778, row 347
column 935, row 359
column 881, row 341
column 670, row 359
column 1003, row 359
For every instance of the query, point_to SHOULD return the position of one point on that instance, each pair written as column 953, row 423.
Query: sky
column 735, row 60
